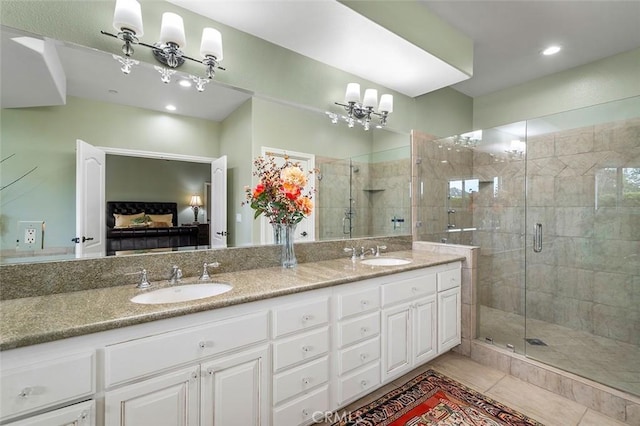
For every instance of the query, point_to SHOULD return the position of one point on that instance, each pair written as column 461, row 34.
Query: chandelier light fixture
column 361, row 112
column 127, row 20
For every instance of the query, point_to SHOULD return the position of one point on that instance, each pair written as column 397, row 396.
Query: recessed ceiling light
column 184, row 83
column 170, row 108
column 551, row 50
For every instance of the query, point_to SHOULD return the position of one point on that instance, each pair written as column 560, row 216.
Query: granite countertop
column 33, row 320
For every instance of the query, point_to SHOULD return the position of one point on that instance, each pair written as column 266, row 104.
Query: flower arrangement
column 279, row 192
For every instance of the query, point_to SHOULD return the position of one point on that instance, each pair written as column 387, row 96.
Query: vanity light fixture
column 195, row 204
column 516, row 150
column 127, row 20
column 362, row 111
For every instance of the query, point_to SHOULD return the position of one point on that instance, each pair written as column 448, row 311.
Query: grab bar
column 537, row 238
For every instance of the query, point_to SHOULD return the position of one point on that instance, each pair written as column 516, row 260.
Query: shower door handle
column 537, row 238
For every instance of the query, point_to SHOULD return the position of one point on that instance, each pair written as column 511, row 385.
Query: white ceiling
column 508, row 36
column 334, row 34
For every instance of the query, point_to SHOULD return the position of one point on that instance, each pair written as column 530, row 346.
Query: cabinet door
column 396, row 341
column 82, row 414
column 424, row 330
column 168, row 400
column 235, row 389
column 449, row 318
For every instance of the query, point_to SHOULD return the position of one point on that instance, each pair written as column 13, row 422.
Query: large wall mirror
column 362, row 181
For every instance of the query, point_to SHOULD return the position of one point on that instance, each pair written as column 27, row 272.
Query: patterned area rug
column 432, row 399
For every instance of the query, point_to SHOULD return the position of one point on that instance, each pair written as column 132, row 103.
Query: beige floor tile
column 593, row 418
column 467, row 371
column 535, row 402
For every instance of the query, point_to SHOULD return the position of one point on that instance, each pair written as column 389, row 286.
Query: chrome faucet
column 378, row 248
column 176, row 275
column 144, row 280
column 205, row 270
column 364, row 251
column 353, row 252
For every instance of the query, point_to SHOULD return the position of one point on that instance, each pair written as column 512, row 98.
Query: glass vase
column 284, row 235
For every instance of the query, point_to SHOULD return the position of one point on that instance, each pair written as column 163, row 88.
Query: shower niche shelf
column 373, row 189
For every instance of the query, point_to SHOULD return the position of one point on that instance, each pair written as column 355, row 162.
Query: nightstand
column 203, row 232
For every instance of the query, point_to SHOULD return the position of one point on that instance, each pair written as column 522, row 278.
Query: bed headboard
column 133, row 207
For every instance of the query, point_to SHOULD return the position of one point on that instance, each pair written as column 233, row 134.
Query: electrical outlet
column 30, row 235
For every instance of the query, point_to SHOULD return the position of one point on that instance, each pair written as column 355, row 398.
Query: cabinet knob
column 364, row 330
column 306, row 349
column 414, row 289
column 364, row 302
column 305, row 412
column 210, row 371
column 364, row 356
column 205, row 344
column 82, row 417
column 306, row 318
column 24, row 393
column 364, row 383
column 306, row 380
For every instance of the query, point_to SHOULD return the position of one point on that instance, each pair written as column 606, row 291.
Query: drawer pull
column 205, row 344
column 210, row 371
column 306, row 349
column 364, row 303
column 364, row 356
column 305, row 412
column 24, row 393
column 364, row 330
column 364, row 383
column 306, row 380
column 306, row 318
column 194, row 375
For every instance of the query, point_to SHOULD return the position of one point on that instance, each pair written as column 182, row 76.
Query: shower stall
column 375, row 202
column 553, row 204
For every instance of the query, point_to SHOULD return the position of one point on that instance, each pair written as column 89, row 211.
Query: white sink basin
column 386, row 261
column 182, row 293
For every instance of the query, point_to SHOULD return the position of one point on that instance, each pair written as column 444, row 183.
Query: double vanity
column 277, row 347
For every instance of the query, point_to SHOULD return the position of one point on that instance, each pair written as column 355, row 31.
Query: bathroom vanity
column 281, row 348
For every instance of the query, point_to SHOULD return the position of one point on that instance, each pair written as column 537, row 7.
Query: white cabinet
column 300, row 358
column 169, row 400
column 49, row 381
column 357, row 341
column 225, row 391
column 449, row 309
column 408, row 323
column 82, row 414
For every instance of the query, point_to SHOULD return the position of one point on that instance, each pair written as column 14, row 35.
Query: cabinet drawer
column 136, row 358
column 300, row 316
column 358, row 329
column 358, row 302
column 359, row 383
column 82, row 414
column 358, row 355
column 293, row 350
column 449, row 279
column 408, row 289
column 310, row 407
column 47, row 383
column 300, row 379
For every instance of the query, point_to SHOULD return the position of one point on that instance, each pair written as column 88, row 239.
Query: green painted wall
column 444, row 112
column 609, row 79
column 46, row 137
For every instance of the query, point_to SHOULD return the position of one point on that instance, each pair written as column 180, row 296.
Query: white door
column 305, row 231
column 424, row 330
column 168, row 400
column 91, row 227
column 218, row 224
column 396, row 341
column 235, row 390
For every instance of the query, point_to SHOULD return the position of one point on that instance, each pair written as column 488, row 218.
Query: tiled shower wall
column 588, row 275
column 379, row 194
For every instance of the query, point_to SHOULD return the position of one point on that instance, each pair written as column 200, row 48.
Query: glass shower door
column 582, row 248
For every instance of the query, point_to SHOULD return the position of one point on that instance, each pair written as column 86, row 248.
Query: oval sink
column 181, row 293
column 386, row 261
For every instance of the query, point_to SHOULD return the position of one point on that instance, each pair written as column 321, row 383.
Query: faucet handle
column 144, row 280
column 353, row 252
column 205, row 270
column 378, row 248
